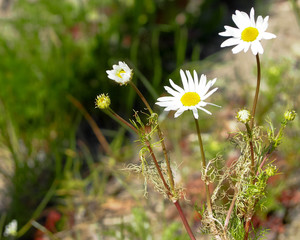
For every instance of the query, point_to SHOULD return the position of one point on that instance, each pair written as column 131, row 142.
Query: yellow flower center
column 119, row 73
column 249, row 34
column 190, row 99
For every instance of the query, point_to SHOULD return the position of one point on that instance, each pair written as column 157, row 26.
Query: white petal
column 230, row 31
column 179, row 112
column 171, row 91
column 252, row 17
column 172, row 107
column 259, row 21
column 202, row 82
column 265, row 24
column 256, row 47
column 204, row 90
column 242, row 20
column 166, row 99
column 196, row 79
column 213, row 104
column 267, row 35
column 238, row 48
column 246, row 46
column 163, row 104
column 235, row 32
column 184, row 81
column 203, row 109
column 190, row 81
column 176, row 87
column 209, row 94
column 260, row 48
column 237, row 19
column 195, row 112
column 230, row 42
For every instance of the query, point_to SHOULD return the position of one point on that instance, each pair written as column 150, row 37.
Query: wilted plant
column 246, row 177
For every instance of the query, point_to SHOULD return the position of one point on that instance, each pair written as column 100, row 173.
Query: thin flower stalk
column 207, row 192
column 230, row 211
column 256, row 91
column 141, row 96
column 185, row 222
column 176, row 203
column 102, row 140
column 160, row 135
column 158, row 169
column 249, row 131
column 122, row 120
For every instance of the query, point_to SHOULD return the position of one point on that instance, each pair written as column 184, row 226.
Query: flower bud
column 290, row 115
column 243, row 116
column 271, row 170
column 102, row 101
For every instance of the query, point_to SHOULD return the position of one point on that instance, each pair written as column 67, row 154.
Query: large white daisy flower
column 191, row 97
column 248, row 34
column 120, row 73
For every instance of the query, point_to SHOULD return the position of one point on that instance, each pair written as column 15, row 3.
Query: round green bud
column 290, row 115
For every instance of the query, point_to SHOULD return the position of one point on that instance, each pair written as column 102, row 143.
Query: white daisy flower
column 120, row 73
column 191, row 97
column 248, row 34
column 11, row 228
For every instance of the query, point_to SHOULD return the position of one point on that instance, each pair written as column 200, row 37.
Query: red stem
column 184, row 221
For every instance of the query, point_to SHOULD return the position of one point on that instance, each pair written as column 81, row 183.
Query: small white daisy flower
column 248, row 34
column 191, row 97
column 11, row 229
column 120, row 73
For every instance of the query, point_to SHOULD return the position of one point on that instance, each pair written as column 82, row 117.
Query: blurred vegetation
column 50, row 50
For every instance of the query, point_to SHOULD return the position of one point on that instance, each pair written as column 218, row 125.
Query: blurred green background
column 51, row 50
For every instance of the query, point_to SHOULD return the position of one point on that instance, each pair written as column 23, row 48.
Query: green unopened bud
column 102, row 101
column 271, row 170
column 290, row 115
column 243, row 116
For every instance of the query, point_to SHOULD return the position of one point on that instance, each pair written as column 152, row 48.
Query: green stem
column 207, row 192
column 102, row 140
column 170, row 175
column 251, row 150
column 176, row 203
column 158, row 169
column 256, row 91
column 122, row 120
column 250, row 130
column 160, row 135
column 141, row 96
